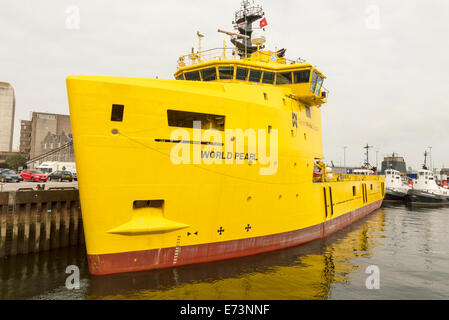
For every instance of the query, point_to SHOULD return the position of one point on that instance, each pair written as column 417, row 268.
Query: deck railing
column 346, row 177
column 254, row 10
column 227, row 54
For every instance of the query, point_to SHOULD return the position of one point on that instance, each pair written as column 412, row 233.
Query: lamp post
column 377, row 163
column 344, row 156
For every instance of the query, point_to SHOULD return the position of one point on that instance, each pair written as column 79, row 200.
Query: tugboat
column 396, row 190
column 425, row 189
column 214, row 165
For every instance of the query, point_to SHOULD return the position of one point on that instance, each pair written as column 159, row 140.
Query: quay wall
column 34, row 221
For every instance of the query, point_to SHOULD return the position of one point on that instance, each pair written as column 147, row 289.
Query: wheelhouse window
column 268, row 77
column 180, row 77
column 255, row 75
column 314, row 82
column 284, row 78
column 226, row 73
column 302, row 76
column 318, row 87
column 241, row 74
column 209, row 74
column 193, row 76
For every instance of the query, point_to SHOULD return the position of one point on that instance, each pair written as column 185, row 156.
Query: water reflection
column 406, row 243
column 27, row 276
column 304, row 272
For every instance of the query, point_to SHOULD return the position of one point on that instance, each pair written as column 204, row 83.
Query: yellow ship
column 225, row 161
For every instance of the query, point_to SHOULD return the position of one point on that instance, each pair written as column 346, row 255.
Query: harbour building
column 25, row 137
column 7, row 109
column 47, row 137
column 43, row 125
column 394, row 162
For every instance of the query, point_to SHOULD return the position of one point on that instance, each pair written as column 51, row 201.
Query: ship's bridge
column 259, row 68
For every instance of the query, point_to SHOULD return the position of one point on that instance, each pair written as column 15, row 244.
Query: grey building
column 396, row 163
column 57, row 142
column 48, row 131
column 25, row 137
column 7, row 109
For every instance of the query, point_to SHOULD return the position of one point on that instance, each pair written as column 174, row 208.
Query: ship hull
column 149, row 212
column 420, row 197
column 391, row 195
column 178, row 256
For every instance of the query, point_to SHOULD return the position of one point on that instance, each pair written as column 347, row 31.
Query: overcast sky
column 386, row 61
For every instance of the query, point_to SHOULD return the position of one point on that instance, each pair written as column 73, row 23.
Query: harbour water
column 408, row 245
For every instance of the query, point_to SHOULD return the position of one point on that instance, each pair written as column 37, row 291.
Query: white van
column 52, row 166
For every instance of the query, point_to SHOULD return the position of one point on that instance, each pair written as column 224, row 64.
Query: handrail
column 346, row 177
column 253, row 10
column 223, row 53
column 207, row 55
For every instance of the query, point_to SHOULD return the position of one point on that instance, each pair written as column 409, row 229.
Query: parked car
column 10, row 176
column 75, row 176
column 61, row 176
column 33, row 175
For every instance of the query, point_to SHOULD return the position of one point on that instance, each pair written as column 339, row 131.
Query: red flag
column 263, row 22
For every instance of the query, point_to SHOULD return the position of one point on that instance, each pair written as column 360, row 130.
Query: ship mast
column 244, row 19
column 367, row 147
column 425, row 160
column 392, row 161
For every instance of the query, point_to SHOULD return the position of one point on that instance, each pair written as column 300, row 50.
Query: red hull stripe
column 178, row 256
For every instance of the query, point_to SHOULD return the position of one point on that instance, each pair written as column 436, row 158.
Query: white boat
column 395, row 188
column 426, row 190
